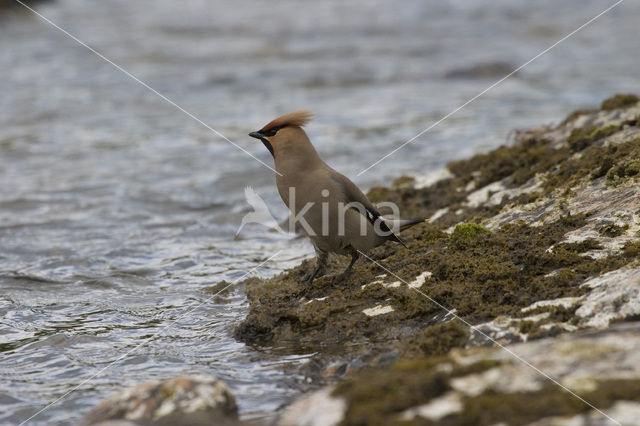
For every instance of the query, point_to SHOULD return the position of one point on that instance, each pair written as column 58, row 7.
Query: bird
column 324, row 204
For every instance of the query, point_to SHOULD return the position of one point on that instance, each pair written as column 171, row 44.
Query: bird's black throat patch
column 266, row 143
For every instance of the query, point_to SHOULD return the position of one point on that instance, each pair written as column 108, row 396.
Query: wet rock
column 614, row 297
column 490, row 386
column 316, row 409
column 532, row 242
column 178, row 401
column 542, row 181
column 481, row 274
column 625, row 412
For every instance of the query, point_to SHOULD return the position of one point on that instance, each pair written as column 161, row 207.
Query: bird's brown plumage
column 336, row 215
column 296, row 118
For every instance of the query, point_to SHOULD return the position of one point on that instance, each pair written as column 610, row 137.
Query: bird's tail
column 398, row 227
column 404, row 225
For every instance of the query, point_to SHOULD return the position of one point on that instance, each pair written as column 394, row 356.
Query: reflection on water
column 117, row 211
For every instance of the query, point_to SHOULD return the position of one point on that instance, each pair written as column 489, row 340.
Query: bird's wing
column 354, row 194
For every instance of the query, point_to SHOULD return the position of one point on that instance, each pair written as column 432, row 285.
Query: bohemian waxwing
column 325, row 205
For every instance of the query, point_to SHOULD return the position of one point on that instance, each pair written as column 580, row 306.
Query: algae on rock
column 534, row 240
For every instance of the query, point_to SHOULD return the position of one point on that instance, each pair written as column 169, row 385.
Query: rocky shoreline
column 533, row 246
column 533, row 240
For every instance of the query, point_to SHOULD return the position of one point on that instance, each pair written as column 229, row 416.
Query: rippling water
column 118, row 212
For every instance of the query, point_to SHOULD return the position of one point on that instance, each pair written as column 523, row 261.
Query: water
column 118, row 212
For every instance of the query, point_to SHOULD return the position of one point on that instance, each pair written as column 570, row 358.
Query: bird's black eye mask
column 272, row 131
column 263, row 135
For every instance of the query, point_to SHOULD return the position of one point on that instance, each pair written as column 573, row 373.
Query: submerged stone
column 177, row 401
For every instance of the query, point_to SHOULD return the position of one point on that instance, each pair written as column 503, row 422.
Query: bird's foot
column 307, row 286
column 301, row 293
column 340, row 278
column 310, row 277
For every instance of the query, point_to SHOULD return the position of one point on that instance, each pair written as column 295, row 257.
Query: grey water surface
column 118, row 211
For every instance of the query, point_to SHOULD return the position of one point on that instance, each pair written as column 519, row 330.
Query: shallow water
column 118, row 211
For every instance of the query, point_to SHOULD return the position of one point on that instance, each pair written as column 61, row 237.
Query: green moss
column 612, row 230
column 619, row 101
column 376, row 398
column 404, row 181
column 556, row 315
column 561, row 167
column 527, row 326
column 520, row 162
column 437, row 340
column 604, row 131
column 627, row 168
column 580, row 247
column 379, row 398
column 468, row 234
column 550, row 401
column 497, row 274
column 429, row 233
column 632, row 249
column 479, row 273
column 616, row 161
column 575, row 114
column 582, row 137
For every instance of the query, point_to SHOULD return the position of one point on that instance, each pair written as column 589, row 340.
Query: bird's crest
column 295, row 118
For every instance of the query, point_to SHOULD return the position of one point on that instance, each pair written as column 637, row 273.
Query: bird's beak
column 264, row 140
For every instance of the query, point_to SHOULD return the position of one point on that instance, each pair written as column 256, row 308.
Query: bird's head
column 283, row 130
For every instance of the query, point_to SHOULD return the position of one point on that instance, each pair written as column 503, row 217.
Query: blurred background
column 118, row 212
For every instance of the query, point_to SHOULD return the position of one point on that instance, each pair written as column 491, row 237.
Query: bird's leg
column 321, row 263
column 354, row 257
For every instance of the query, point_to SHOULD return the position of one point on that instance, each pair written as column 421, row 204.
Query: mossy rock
column 381, row 398
column 632, row 249
column 582, row 137
column 574, row 115
column 626, row 169
column 521, row 162
column 437, row 340
column 612, row 230
column 404, row 181
column 619, row 100
column 468, row 234
column 490, row 387
column 482, row 274
column 376, row 398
